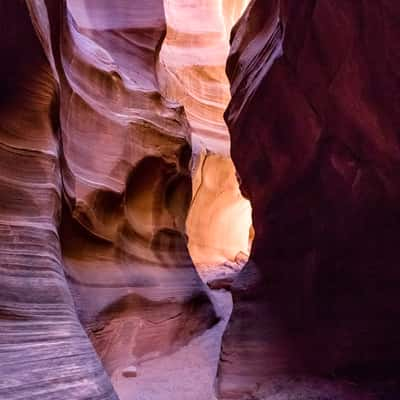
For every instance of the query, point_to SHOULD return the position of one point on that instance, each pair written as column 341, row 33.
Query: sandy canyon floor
column 190, row 372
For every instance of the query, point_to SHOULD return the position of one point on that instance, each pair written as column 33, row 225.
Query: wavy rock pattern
column 314, row 100
column 193, row 58
column 86, row 122
column 44, row 352
column 219, row 221
column 192, row 72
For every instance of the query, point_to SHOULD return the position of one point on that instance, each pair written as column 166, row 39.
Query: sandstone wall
column 314, row 121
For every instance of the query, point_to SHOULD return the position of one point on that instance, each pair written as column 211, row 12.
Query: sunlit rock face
column 193, row 59
column 314, row 125
column 96, row 144
column 192, row 72
column 220, row 219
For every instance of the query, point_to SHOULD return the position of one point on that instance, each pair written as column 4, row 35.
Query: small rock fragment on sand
column 130, row 372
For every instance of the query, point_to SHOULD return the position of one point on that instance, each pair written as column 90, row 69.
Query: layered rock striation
column 116, row 174
column 94, row 212
column 44, row 351
column 192, row 72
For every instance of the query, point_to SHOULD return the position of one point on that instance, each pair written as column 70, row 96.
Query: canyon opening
column 199, row 200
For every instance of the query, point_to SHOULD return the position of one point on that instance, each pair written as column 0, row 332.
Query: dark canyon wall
column 314, row 123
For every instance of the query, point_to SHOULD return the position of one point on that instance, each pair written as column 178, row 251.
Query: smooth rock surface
column 192, row 72
column 219, row 219
column 99, row 149
column 315, row 103
column 192, row 65
column 44, row 351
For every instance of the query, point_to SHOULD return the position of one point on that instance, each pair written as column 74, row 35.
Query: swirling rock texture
column 193, row 58
column 105, row 178
column 133, row 280
column 87, row 139
column 314, row 122
column 192, row 72
column 219, row 222
column 44, row 351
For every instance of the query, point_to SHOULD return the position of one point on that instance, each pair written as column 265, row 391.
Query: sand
column 189, row 373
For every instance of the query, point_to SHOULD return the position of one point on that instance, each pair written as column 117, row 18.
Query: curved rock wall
column 98, row 145
column 44, row 351
column 193, row 58
column 192, row 72
column 128, row 184
column 219, row 220
column 315, row 103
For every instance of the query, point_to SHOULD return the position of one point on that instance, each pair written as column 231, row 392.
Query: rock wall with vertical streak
column 127, row 184
column 314, row 123
column 44, row 351
column 100, row 196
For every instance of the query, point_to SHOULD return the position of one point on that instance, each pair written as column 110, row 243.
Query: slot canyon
column 199, row 200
